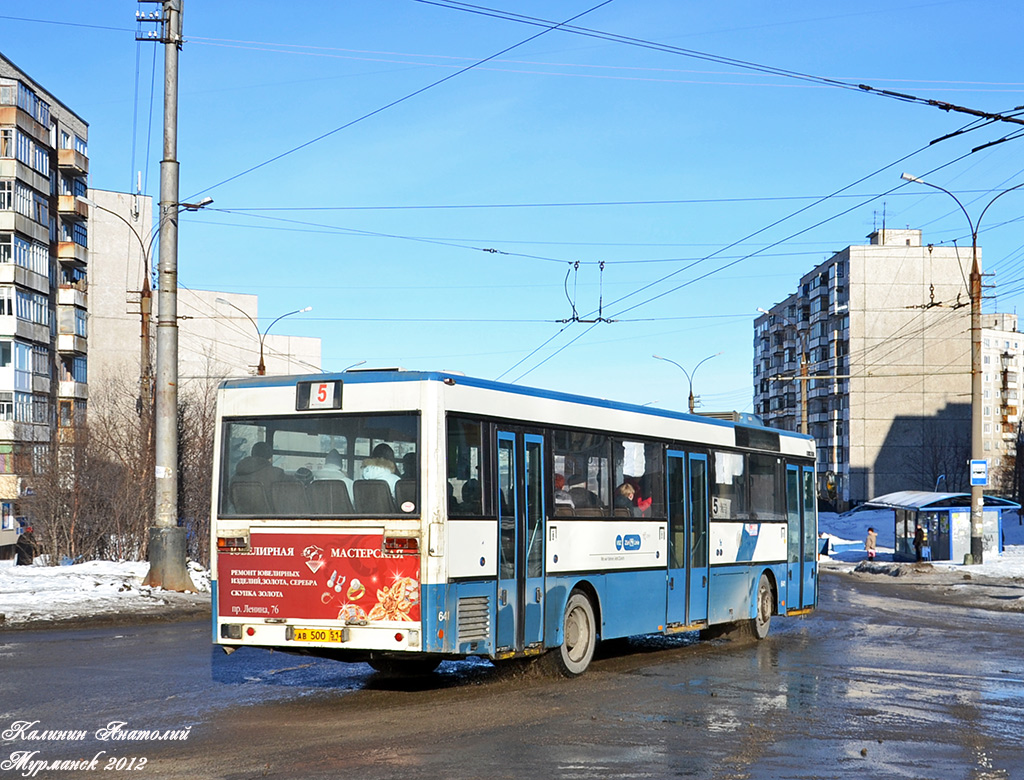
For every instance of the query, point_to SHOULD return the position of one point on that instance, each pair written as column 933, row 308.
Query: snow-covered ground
column 30, row 594
column 38, row 593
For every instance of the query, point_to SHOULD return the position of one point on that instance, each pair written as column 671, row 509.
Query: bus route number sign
column 318, row 395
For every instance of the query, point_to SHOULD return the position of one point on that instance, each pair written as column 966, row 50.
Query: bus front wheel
column 579, row 636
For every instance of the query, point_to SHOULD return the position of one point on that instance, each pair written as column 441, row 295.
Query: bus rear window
column 326, row 466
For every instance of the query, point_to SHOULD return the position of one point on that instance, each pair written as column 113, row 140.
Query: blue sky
column 442, row 230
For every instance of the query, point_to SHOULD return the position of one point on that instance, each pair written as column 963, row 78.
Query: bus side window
column 583, row 459
column 464, row 457
column 641, row 465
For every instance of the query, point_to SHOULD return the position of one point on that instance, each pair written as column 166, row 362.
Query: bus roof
column 376, row 376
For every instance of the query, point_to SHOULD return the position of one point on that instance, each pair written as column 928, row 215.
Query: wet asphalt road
column 875, row 684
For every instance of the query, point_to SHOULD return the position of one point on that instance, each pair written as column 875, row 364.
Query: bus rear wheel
column 765, row 604
column 579, row 636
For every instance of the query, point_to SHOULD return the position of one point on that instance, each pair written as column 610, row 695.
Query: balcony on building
column 71, row 389
column 19, row 223
column 73, row 161
column 24, row 121
column 71, row 344
column 73, row 207
column 73, row 295
column 23, row 330
column 72, row 253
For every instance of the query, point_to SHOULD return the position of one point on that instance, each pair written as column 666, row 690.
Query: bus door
column 809, row 589
column 802, row 546
column 688, row 537
column 520, row 615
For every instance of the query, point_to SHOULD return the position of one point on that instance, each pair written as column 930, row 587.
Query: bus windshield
column 319, row 466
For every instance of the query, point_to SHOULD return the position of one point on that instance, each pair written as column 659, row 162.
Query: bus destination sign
column 347, row 577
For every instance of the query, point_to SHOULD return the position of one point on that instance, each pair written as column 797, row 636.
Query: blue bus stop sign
column 979, row 472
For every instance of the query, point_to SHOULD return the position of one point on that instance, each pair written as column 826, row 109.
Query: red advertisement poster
column 328, row 576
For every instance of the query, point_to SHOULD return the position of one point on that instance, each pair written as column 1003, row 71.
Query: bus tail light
column 401, row 544
column 232, row 543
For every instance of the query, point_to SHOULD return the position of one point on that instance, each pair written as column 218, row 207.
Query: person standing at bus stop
column 871, row 543
column 919, row 543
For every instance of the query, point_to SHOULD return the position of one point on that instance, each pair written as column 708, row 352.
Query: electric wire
column 738, row 63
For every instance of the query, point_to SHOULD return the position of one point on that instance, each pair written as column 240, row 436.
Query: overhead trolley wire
column 745, row 257
column 719, row 59
column 782, row 240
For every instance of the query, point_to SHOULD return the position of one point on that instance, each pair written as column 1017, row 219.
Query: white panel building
column 884, row 332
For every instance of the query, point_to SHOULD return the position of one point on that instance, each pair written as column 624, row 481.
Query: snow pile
column 41, row 593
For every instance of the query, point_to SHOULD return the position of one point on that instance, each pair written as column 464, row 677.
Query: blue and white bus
column 402, row 518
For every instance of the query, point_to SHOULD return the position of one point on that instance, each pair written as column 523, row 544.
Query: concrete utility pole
column 166, row 539
column 977, row 445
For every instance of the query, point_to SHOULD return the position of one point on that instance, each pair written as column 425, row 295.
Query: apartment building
column 882, row 333
column 44, row 253
column 1002, row 357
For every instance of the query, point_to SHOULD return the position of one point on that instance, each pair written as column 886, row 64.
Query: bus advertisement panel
column 347, row 577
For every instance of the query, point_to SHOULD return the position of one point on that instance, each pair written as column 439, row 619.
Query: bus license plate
column 317, row 635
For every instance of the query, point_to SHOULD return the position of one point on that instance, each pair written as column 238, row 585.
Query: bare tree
column 92, row 484
column 944, row 453
column 196, row 424
column 121, row 443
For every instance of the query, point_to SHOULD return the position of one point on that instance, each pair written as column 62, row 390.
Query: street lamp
column 689, row 374
column 803, row 368
column 977, row 446
column 261, row 369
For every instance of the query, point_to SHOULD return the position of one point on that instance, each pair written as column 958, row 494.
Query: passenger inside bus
column 333, row 469
column 562, row 496
column 471, row 498
column 409, row 465
column 254, row 476
column 381, row 465
column 627, row 498
column 582, row 496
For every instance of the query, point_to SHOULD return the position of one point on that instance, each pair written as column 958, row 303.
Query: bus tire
column 765, row 603
column 579, row 636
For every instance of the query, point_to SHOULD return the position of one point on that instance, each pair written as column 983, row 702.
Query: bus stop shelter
column 946, row 520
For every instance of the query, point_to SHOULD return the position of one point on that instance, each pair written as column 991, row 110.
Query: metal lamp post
column 977, row 446
column 689, row 374
column 261, row 369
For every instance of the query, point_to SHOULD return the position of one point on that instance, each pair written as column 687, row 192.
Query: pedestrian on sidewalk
column 870, row 544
